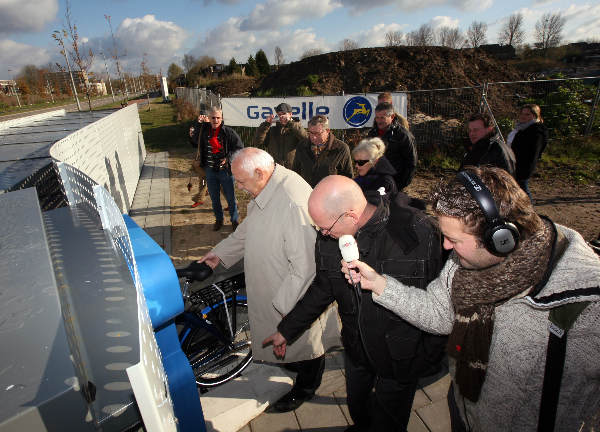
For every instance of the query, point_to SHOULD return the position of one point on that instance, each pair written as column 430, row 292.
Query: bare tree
column 450, row 37
column 278, row 56
column 476, row 35
column 423, row 36
column 203, row 62
column 512, row 32
column 310, row 53
column 548, row 30
column 188, row 62
column 393, row 38
column 348, row 44
column 115, row 56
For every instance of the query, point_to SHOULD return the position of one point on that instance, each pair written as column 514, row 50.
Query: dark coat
column 528, row 145
column 381, row 175
column 401, row 151
column 490, row 151
column 280, row 141
column 228, row 138
column 334, row 159
column 401, row 242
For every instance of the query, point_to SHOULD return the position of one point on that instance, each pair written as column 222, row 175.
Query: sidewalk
column 327, row 411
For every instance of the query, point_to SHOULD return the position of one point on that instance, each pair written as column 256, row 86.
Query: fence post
column 588, row 128
column 483, row 97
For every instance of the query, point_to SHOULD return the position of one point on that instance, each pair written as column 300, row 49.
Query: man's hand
column 270, row 118
column 279, row 344
column 210, row 259
column 203, row 119
column 369, row 279
column 192, row 129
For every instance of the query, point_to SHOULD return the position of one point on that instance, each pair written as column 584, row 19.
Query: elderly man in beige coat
column 277, row 243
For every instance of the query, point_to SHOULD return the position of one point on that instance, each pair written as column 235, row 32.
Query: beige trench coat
column 277, row 243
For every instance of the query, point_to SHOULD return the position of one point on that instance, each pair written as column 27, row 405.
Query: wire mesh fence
column 200, row 98
column 437, row 117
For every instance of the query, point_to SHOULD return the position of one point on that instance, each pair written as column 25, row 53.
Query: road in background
column 70, row 107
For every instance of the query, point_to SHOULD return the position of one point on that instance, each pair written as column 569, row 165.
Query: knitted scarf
column 476, row 294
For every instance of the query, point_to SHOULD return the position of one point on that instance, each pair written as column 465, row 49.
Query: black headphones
column 500, row 237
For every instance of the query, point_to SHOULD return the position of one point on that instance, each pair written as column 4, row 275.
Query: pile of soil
column 389, row 69
column 234, row 87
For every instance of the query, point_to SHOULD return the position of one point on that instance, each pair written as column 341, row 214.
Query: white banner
column 344, row 112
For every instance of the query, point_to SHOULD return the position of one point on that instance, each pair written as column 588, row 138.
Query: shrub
column 185, row 111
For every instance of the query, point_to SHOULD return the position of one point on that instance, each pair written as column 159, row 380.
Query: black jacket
column 381, row 175
column 334, row 159
column 528, row 146
column 228, row 138
column 490, row 151
column 401, row 242
column 401, row 151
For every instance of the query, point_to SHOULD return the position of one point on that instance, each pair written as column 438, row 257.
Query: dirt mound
column 391, row 68
column 234, row 86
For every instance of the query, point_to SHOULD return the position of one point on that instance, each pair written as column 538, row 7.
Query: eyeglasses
column 326, row 231
column 361, row 162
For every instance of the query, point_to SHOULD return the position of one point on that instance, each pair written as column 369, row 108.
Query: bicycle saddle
column 195, row 271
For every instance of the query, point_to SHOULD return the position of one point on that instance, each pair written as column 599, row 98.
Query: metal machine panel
column 99, row 303
column 38, row 384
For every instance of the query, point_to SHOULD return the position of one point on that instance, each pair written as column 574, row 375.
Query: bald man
column 382, row 351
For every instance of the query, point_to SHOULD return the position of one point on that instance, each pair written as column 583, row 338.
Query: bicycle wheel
column 214, row 355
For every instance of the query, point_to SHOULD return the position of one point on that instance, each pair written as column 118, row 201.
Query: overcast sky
column 166, row 30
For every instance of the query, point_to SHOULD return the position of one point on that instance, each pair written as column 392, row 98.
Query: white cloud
column 443, row 21
column 26, row 15
column 357, row 6
column 582, row 22
column 15, row 55
column 375, row 36
column 161, row 41
column 227, row 41
column 276, row 14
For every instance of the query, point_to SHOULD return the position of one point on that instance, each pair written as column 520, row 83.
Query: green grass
column 161, row 130
column 4, row 109
column 575, row 159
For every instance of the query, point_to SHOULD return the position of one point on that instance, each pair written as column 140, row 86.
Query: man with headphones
column 514, row 287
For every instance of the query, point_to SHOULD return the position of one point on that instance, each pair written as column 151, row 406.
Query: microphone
column 349, row 250
column 348, row 247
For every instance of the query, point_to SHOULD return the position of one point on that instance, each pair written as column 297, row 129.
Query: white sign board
column 344, row 112
column 164, row 87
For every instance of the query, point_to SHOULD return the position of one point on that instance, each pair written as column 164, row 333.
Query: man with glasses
column 281, row 139
column 382, row 352
column 322, row 154
column 216, row 143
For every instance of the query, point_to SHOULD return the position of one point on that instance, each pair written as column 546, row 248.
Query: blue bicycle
column 214, row 331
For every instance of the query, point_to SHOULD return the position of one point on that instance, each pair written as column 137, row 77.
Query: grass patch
column 6, row 109
column 161, row 130
column 575, row 159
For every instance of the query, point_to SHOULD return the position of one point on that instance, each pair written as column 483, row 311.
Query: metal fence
column 437, row 117
column 200, row 98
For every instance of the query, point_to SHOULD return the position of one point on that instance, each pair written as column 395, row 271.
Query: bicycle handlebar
column 195, row 271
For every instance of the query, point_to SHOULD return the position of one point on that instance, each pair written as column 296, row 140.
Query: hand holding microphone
column 357, row 272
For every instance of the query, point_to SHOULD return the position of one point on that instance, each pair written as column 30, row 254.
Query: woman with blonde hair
column 528, row 140
column 374, row 170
